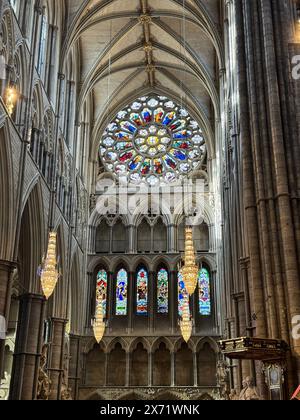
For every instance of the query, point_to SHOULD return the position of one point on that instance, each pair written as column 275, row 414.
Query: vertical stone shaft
column 56, row 356
column 28, row 348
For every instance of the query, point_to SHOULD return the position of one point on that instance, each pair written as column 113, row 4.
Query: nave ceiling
column 172, row 47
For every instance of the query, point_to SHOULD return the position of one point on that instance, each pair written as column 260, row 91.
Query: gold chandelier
column 99, row 323
column 190, row 270
column 50, row 275
column 186, row 324
column 10, row 99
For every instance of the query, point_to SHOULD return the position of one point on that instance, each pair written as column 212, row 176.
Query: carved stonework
column 66, row 392
column 151, row 393
column 44, row 383
column 223, row 379
column 4, row 387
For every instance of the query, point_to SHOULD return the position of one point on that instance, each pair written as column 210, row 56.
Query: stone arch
column 132, row 396
column 75, row 292
column 160, row 261
column 139, row 370
column 184, row 366
column 144, row 236
column 138, row 340
column 158, row 341
column 119, row 263
column 206, row 365
column 162, row 364
column 7, row 188
column 95, row 366
column 160, row 236
column 167, row 396
column 96, row 396
column 32, row 240
column 116, row 360
column 178, row 343
column 207, row 340
column 103, row 237
column 117, row 340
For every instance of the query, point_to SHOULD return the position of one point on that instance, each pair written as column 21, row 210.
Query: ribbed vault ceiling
column 131, row 47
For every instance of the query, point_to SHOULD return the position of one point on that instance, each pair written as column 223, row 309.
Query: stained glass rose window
column 153, row 140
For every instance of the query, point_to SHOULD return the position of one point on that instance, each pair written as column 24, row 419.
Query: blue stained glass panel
column 122, row 290
column 204, row 292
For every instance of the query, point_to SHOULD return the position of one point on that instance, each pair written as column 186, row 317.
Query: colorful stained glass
column 124, row 157
column 146, row 167
column 158, row 115
column 134, row 164
column 204, row 292
column 162, row 291
column 121, row 135
column 170, row 162
column 142, row 292
column 183, row 295
column 178, row 125
column 121, row 293
column 158, row 166
column 126, row 125
column 124, row 146
column 102, row 290
column 169, row 118
column 149, row 141
column 184, row 134
column 178, row 154
column 135, row 118
column 147, row 115
column 182, row 145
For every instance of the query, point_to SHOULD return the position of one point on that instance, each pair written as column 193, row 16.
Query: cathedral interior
column 125, row 126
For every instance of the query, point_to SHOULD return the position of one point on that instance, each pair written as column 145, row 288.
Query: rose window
column 153, row 140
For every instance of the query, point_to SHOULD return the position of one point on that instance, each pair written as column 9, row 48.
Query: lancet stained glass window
column 163, row 291
column 122, row 290
column 142, row 292
column 43, row 42
column 204, row 292
column 102, row 289
column 182, row 294
column 153, row 140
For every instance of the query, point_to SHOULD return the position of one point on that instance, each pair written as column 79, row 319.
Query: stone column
column 131, row 300
column 28, row 348
column 6, row 270
column 56, row 356
column 152, row 303
column 131, row 239
column 173, row 369
column 74, row 366
column 173, row 290
column 195, row 364
column 127, row 383
column 172, row 239
column 150, row 368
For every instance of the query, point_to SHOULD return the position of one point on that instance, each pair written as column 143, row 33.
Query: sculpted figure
column 249, row 391
column 44, row 383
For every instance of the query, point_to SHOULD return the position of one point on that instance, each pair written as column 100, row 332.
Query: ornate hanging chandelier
column 10, row 99
column 50, row 275
column 186, row 324
column 190, row 269
column 99, row 323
